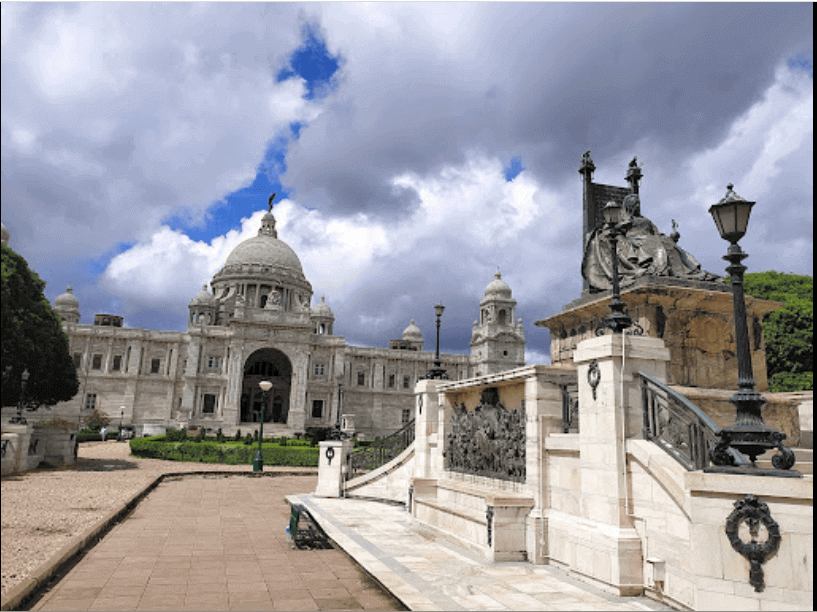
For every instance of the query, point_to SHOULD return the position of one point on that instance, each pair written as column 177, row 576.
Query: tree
column 32, row 339
column 789, row 331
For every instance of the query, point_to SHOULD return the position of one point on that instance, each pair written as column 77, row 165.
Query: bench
column 485, row 519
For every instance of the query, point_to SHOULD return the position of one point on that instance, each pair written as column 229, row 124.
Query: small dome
column 203, row 298
column 498, row 287
column 67, row 301
column 322, row 310
column 412, row 332
column 4, row 234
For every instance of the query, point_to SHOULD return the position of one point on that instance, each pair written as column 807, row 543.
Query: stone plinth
column 331, row 467
column 603, row 545
column 695, row 320
column 427, row 449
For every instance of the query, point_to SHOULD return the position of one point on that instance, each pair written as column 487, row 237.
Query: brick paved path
column 214, row 543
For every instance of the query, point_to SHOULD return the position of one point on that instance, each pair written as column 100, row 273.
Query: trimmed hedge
column 158, row 447
column 91, row 436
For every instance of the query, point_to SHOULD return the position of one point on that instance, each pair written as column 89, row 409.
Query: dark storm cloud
column 544, row 81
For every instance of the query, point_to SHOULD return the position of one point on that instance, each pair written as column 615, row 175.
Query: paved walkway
column 214, row 543
column 429, row 573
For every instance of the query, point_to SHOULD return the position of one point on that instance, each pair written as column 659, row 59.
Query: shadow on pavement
column 104, row 465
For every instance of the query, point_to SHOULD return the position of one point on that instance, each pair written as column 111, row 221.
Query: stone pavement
column 429, row 573
column 214, row 543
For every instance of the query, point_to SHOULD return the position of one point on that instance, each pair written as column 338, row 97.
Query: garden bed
column 295, row 453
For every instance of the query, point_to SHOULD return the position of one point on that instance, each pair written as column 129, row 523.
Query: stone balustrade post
column 610, row 411
column 428, row 445
column 332, row 467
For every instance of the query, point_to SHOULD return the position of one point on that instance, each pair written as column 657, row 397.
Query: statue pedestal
column 695, row 320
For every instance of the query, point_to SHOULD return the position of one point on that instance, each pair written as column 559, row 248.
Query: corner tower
column 497, row 343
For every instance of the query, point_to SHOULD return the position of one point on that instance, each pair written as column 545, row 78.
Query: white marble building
column 257, row 324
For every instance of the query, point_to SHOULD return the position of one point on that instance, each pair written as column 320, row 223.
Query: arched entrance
column 272, row 365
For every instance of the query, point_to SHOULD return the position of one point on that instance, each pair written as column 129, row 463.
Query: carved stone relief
column 488, row 441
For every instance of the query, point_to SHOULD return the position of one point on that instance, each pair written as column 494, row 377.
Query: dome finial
column 271, row 198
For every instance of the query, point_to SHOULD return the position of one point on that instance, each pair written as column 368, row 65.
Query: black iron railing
column 678, row 426
column 570, row 408
column 380, row 452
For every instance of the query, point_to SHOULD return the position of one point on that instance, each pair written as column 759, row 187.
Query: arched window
column 500, row 319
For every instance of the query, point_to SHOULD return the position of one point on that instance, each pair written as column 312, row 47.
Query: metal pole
column 437, row 362
column 747, row 401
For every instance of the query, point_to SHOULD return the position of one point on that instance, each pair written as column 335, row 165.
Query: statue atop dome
column 271, row 198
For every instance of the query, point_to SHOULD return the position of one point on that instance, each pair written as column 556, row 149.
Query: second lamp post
column 437, row 371
column 258, row 462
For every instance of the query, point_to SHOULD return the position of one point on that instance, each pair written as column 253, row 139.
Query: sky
column 415, row 148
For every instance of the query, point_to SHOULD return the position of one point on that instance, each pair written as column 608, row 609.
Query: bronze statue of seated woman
column 642, row 251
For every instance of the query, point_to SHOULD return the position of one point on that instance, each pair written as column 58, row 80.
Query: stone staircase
column 485, row 519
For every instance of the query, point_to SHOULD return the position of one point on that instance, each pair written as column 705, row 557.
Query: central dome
column 265, row 249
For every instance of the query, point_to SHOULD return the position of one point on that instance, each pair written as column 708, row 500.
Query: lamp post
column 437, row 371
column 19, row 419
column 749, row 434
column 335, row 433
column 258, row 462
column 618, row 320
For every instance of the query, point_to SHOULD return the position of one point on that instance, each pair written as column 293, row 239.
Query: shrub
column 282, row 441
column 88, row 435
column 317, row 434
column 96, row 420
column 237, row 435
column 176, row 435
column 199, row 436
column 219, row 436
column 248, row 439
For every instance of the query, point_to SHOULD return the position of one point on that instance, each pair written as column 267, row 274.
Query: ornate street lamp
column 618, row 320
column 258, row 462
column 335, row 433
column 749, row 434
column 437, row 371
column 21, row 400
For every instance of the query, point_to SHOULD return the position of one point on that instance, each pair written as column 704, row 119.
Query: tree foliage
column 789, row 331
column 32, row 339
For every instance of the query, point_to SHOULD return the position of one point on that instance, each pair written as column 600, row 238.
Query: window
column 391, row 381
column 319, row 369
column 77, row 360
column 90, row 401
column 317, row 409
column 406, row 382
column 361, row 379
column 208, row 403
column 213, row 363
column 97, row 362
column 154, row 365
column 406, row 416
column 117, row 363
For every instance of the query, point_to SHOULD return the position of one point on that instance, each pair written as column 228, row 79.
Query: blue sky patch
column 803, row 62
column 312, row 62
column 513, row 168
